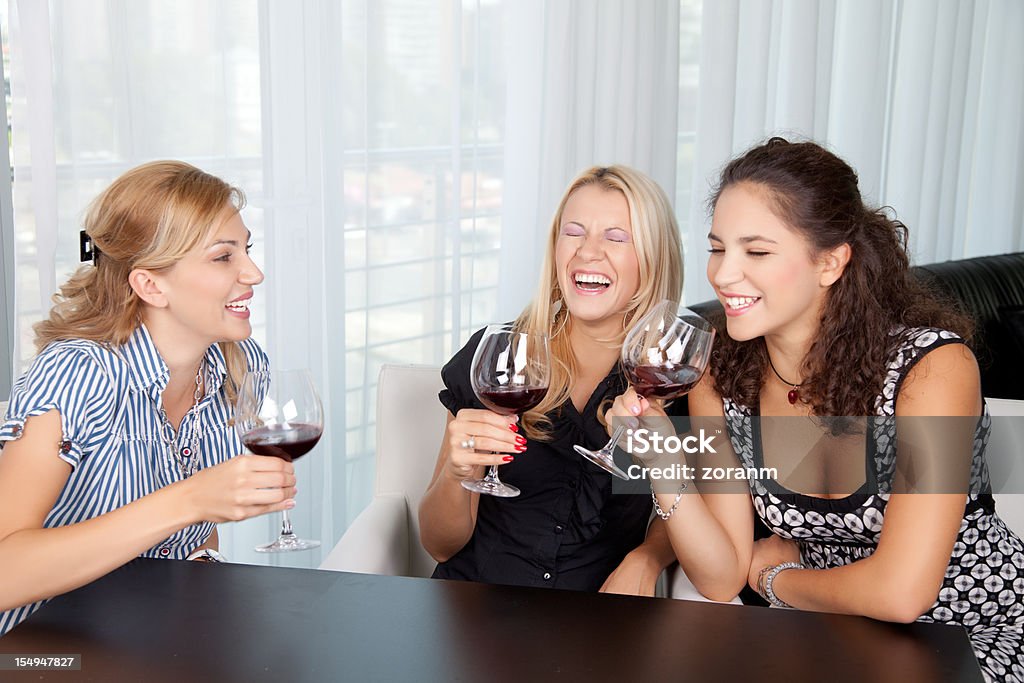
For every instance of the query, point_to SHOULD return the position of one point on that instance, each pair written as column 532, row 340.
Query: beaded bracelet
column 657, row 508
column 769, row 578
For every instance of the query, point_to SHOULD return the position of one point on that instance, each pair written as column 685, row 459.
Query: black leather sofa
column 991, row 290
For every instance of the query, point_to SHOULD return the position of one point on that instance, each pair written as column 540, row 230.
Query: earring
column 556, row 308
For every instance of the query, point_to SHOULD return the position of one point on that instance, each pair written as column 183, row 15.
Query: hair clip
column 87, row 251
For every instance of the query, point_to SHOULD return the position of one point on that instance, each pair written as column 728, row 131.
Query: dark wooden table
column 162, row 620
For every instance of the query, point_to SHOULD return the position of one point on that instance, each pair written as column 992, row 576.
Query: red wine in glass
column 288, row 442
column 511, row 400
column 663, row 382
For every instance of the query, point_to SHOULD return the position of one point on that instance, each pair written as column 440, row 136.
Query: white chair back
column 410, row 424
column 1005, row 457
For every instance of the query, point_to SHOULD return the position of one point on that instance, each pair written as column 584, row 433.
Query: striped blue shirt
column 109, row 399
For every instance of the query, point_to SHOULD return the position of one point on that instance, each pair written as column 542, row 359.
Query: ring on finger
column 469, row 444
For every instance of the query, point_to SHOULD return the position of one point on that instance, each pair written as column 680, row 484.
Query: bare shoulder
column 945, row 381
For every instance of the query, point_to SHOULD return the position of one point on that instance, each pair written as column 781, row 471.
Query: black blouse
column 566, row 529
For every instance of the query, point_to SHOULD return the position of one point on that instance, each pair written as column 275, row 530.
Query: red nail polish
column 521, row 441
column 513, row 427
column 508, row 458
column 520, row 448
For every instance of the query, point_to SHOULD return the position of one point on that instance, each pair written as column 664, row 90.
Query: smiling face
column 207, row 293
column 595, row 258
column 762, row 270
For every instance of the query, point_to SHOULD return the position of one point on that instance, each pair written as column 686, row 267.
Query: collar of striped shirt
column 149, row 372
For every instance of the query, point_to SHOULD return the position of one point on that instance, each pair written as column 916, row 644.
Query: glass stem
column 609, row 448
column 492, row 475
column 286, row 524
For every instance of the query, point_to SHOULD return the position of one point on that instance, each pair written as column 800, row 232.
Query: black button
column 558, row 528
column 165, row 551
column 547, row 576
column 65, row 447
column 16, row 429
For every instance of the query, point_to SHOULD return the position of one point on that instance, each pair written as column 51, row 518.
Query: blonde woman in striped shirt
column 117, row 442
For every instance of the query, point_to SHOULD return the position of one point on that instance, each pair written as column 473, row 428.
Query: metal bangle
column 760, row 580
column 657, row 508
column 206, row 555
column 769, row 594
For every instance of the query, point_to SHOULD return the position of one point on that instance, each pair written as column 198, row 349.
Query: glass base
column 287, row 544
column 602, row 460
column 490, row 488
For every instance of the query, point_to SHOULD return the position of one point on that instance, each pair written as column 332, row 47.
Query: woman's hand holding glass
column 242, row 487
column 509, row 374
column 632, row 405
column 478, row 438
column 279, row 414
column 634, row 411
column 663, row 356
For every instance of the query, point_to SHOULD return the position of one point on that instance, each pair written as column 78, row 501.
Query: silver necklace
column 187, row 456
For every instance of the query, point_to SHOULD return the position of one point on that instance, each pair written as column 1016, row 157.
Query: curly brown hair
column 815, row 193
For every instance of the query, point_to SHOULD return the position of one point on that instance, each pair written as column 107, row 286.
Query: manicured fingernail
column 513, row 427
column 521, row 441
column 636, row 410
column 289, row 504
column 520, row 448
column 508, row 458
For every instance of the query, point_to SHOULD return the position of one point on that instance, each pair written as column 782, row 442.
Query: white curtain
column 594, row 83
column 403, row 158
column 923, row 97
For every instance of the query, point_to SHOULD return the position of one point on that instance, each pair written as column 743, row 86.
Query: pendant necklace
column 794, row 393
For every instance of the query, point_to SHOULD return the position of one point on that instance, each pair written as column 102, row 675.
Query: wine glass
column 279, row 413
column 663, row 357
column 510, row 375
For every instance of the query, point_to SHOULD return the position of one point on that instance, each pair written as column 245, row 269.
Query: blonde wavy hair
column 659, row 252
column 149, row 218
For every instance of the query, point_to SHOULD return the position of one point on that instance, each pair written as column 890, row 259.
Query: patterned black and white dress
column 983, row 588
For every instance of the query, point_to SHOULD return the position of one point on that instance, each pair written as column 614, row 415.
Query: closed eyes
column 612, row 234
column 754, row 253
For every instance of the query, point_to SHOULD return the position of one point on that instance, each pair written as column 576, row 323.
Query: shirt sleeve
column 72, row 382
column 458, row 392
